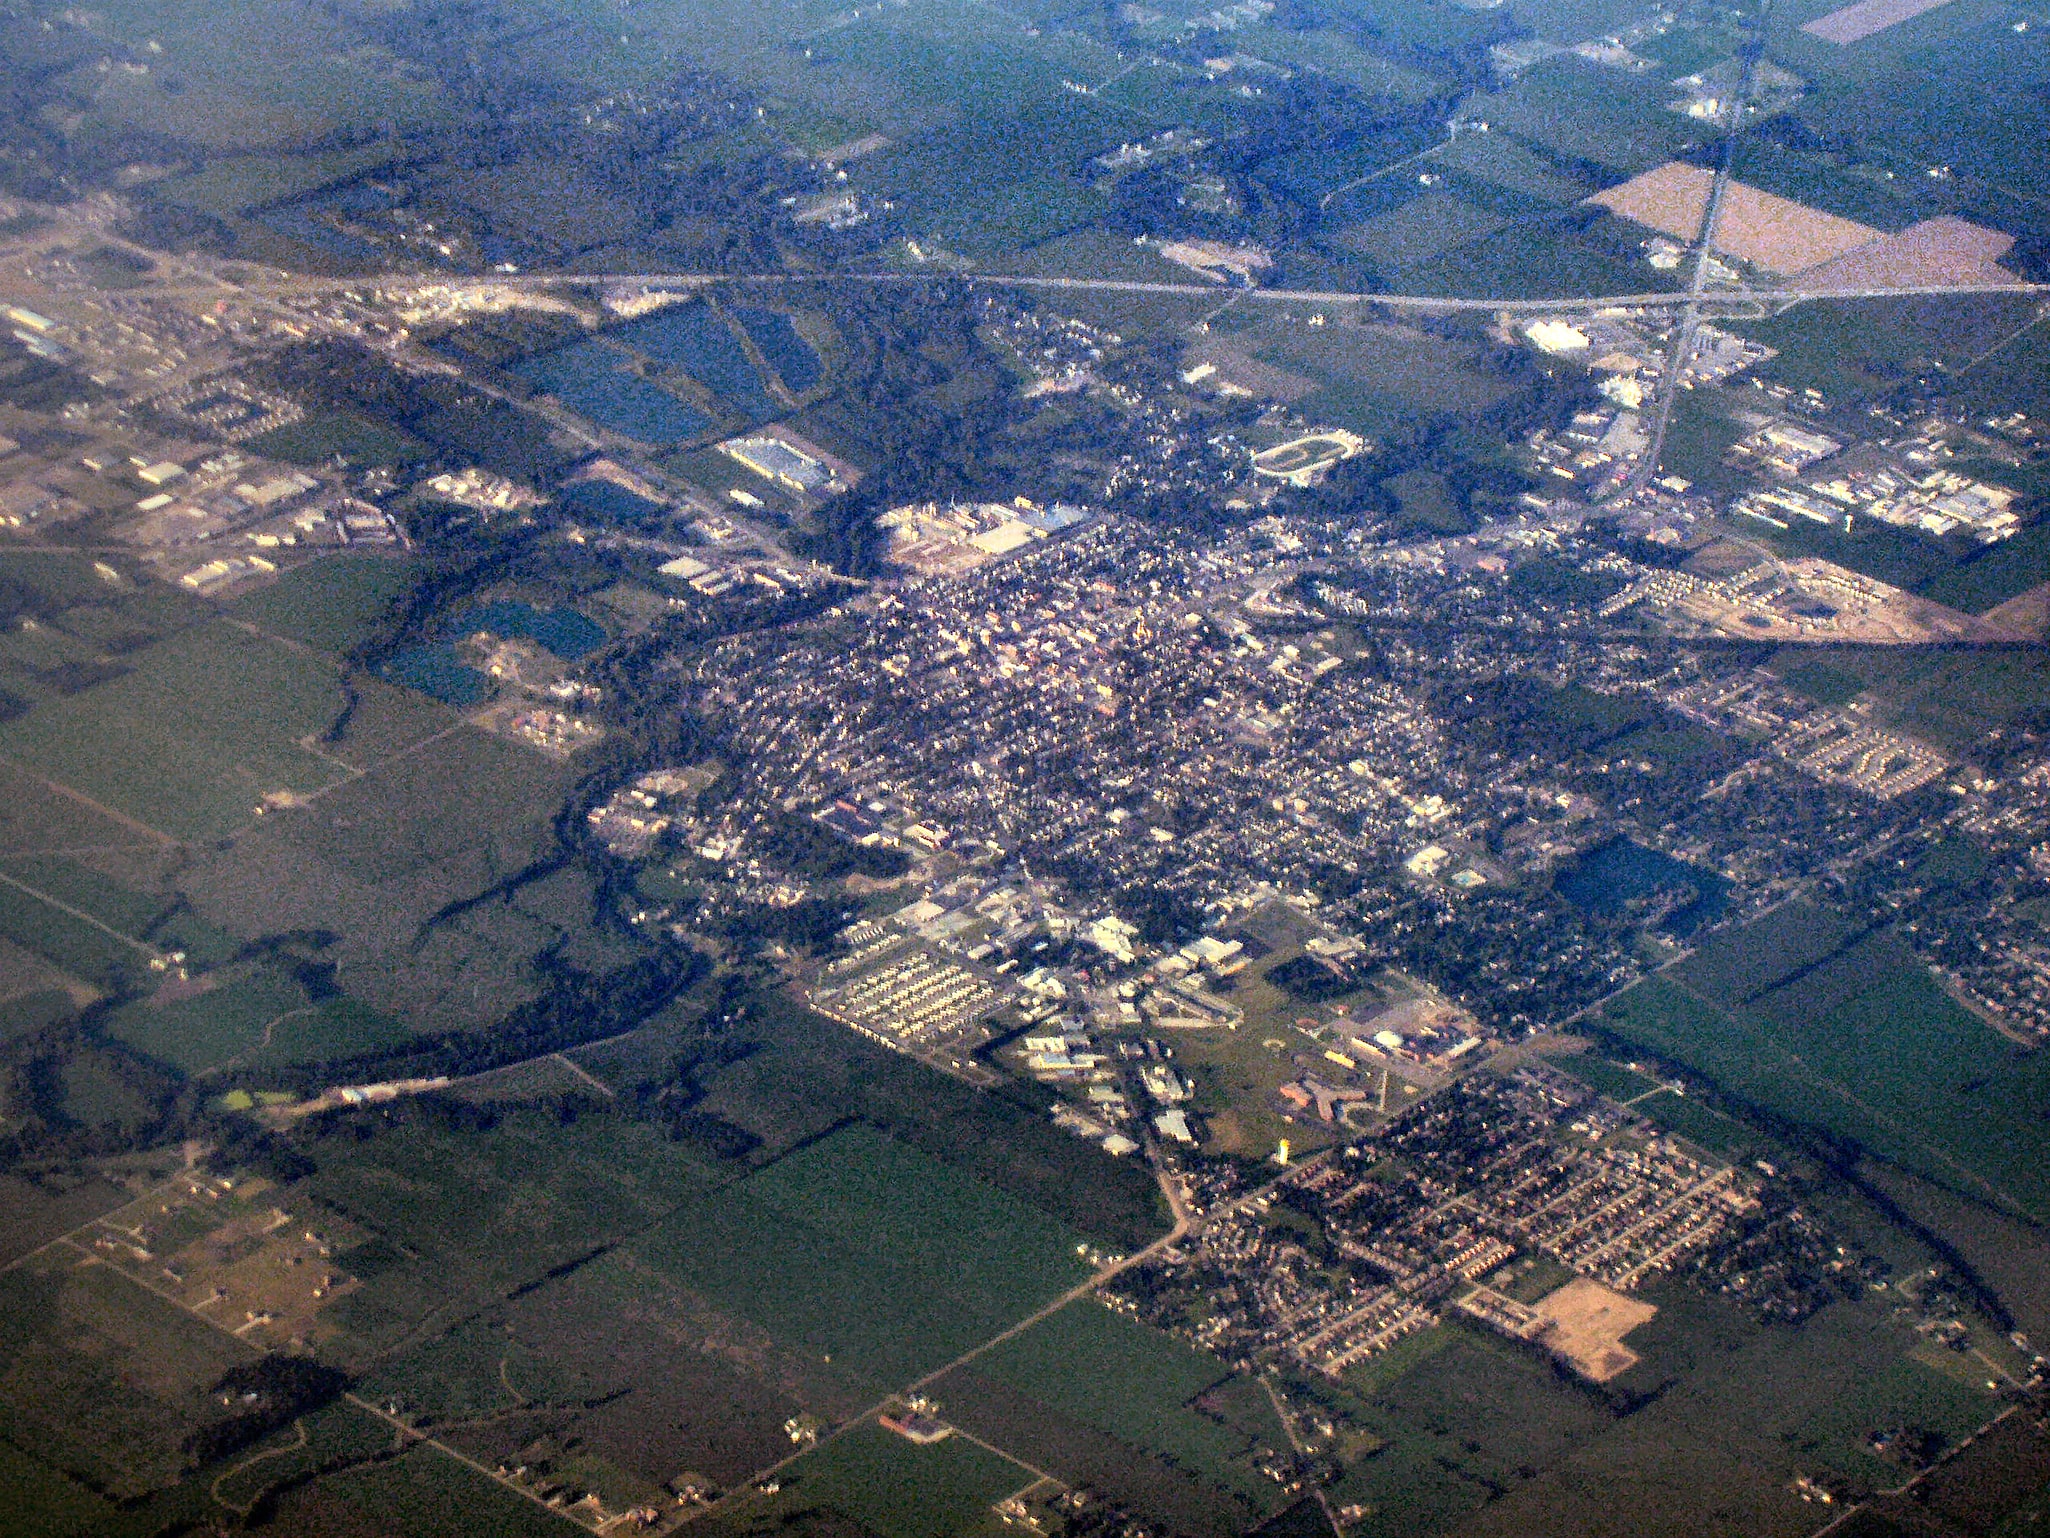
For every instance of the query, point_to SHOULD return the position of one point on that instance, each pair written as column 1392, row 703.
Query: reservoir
column 1612, row 876
column 437, row 670
column 692, row 338
column 593, row 380
column 565, row 632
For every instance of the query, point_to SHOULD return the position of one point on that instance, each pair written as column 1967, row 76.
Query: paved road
column 1704, row 263
column 283, row 287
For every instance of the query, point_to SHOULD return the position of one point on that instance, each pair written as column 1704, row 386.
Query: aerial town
column 924, row 769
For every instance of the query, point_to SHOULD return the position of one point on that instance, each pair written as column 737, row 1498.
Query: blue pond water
column 437, row 671
column 564, row 632
column 1610, row 876
column 690, row 337
column 607, row 500
column 592, row 379
column 789, row 354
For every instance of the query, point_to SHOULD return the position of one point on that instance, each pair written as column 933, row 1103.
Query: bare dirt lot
column 1769, row 232
column 1589, row 1322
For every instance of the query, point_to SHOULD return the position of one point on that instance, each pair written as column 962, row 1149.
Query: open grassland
column 1586, row 113
column 37, row 817
column 1949, row 698
column 239, row 184
column 1731, row 1414
column 41, row 1502
column 1536, row 261
column 1850, row 349
column 211, row 720
column 866, row 1252
column 1374, row 375
column 649, row 1379
column 257, row 1019
column 806, row 1075
column 334, row 1436
column 890, row 1486
column 1904, row 1392
column 1465, row 1422
column 1986, row 123
column 1774, row 947
column 379, row 858
column 67, row 941
column 33, row 1213
column 1176, row 1499
column 1866, row 1047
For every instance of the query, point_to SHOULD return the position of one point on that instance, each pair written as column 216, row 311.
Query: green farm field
column 1865, row 1047
column 1131, row 1382
column 260, row 1019
column 890, row 1486
column 1949, row 698
column 868, row 1253
column 334, row 603
column 104, row 1379
column 424, row 1493
column 472, row 1214
column 189, row 743
column 248, row 73
column 1732, row 1414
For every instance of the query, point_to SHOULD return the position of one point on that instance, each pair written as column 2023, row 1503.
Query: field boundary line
column 425, row 1440
column 90, row 804
column 83, row 917
column 1184, row 1227
column 589, row 1078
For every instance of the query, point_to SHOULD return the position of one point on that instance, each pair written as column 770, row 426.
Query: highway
column 287, row 286
column 1704, row 262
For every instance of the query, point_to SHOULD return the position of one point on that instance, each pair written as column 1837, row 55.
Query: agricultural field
column 1865, row 1047
column 1588, row 114
column 1130, row 1381
column 890, row 1486
column 333, row 604
column 1728, row 1415
column 1419, row 230
column 376, row 860
column 805, row 1075
column 867, row 1253
column 102, row 1378
column 423, row 1493
column 208, row 724
column 1371, row 375
column 457, row 1215
column 247, row 75
column 1466, row 1423
column 1950, row 699
column 650, row 1381
column 260, row 1018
